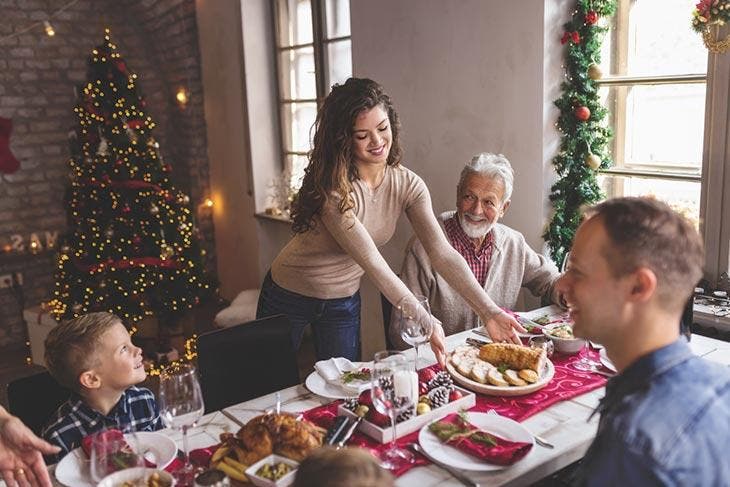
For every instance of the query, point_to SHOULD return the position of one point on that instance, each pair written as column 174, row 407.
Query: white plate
column 73, row 469
column 545, row 377
column 491, row 423
column 316, row 384
column 606, row 361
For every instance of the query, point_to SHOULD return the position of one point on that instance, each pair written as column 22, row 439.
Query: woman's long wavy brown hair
column 331, row 167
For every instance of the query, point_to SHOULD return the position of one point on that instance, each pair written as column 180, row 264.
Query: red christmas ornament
column 121, row 66
column 591, row 17
column 8, row 163
column 126, row 209
column 135, row 123
column 582, row 113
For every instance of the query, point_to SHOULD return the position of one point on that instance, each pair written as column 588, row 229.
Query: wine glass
column 394, row 390
column 586, row 363
column 110, row 451
column 181, row 406
column 414, row 329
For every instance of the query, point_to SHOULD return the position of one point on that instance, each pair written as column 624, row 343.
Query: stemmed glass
column 414, row 332
column 394, row 390
column 110, row 451
column 181, row 406
column 586, row 363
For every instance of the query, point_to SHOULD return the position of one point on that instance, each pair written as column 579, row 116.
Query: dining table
column 569, row 425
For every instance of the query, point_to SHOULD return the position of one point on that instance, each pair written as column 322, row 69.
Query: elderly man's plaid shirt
column 135, row 411
column 478, row 259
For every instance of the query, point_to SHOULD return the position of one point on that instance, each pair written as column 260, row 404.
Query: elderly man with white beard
column 498, row 256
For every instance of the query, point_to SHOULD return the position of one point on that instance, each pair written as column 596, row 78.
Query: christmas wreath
column 708, row 14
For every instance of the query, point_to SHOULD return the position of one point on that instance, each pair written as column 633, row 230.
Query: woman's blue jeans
column 335, row 322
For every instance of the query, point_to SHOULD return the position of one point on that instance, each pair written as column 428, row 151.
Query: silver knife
column 232, row 418
column 349, row 432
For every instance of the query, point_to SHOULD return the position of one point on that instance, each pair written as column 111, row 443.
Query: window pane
column 297, row 119
column 339, row 62
column 297, row 74
column 683, row 196
column 296, row 164
column 338, row 18
column 664, row 124
column 295, row 22
column 658, row 40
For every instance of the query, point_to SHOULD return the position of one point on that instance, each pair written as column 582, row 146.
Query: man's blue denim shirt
column 664, row 421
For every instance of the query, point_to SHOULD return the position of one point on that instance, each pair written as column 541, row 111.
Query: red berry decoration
column 582, row 113
column 591, row 17
column 455, row 394
column 425, row 375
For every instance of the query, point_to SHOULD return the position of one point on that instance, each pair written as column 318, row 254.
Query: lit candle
column 405, row 384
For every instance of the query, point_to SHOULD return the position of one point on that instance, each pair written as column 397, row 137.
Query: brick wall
column 158, row 40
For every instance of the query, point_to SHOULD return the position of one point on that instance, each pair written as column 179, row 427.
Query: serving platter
column 545, row 377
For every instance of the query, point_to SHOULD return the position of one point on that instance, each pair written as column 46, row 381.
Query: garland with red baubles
column 584, row 143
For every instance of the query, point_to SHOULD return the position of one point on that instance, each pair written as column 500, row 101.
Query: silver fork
column 538, row 439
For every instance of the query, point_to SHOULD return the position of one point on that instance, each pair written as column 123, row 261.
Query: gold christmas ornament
column 594, row 72
column 593, row 161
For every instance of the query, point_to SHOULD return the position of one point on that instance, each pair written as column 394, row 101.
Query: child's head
column 354, row 467
column 93, row 351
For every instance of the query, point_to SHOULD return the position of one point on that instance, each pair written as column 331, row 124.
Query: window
column 655, row 86
column 313, row 52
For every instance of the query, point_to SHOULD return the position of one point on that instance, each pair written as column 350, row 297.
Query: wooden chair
column 35, row 398
column 246, row 361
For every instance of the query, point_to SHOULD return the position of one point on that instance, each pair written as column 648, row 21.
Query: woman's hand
column 503, row 328
column 21, row 454
column 438, row 343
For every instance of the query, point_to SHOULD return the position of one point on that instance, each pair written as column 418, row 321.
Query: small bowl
column 568, row 346
column 284, row 481
column 117, row 479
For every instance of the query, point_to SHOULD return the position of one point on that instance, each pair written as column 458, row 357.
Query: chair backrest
column 246, row 361
column 35, row 398
column 387, row 312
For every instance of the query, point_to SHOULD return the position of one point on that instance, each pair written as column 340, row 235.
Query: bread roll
column 514, row 356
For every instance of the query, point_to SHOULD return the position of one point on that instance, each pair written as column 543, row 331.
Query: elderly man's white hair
column 490, row 165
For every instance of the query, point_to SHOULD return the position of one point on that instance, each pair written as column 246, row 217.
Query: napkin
column 331, row 371
column 464, row 436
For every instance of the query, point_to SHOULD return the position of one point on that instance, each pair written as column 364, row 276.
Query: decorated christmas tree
column 132, row 247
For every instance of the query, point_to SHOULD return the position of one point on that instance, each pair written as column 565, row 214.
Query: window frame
column 319, row 44
column 618, row 99
column 714, row 175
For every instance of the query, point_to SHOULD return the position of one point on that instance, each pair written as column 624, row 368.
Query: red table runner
column 567, row 383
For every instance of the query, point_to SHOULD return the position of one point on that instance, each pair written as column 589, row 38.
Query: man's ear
column 643, row 285
column 89, row 379
column 505, row 205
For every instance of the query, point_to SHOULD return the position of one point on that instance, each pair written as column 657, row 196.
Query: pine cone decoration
column 439, row 396
column 405, row 415
column 386, row 383
column 441, row 379
column 351, row 403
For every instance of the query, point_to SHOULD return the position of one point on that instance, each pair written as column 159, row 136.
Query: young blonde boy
column 94, row 357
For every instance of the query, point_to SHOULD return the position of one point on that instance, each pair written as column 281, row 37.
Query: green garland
column 584, row 144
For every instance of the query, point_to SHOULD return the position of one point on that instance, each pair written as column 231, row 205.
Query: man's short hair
column 71, row 346
column 490, row 165
column 353, row 467
column 645, row 232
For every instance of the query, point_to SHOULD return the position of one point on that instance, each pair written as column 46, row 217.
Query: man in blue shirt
column 665, row 419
